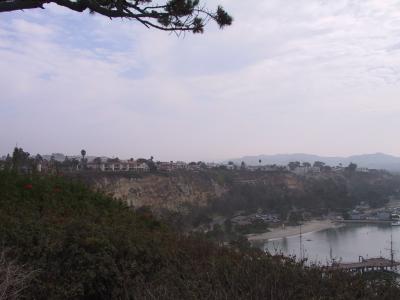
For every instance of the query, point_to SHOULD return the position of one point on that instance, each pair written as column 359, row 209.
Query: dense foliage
column 315, row 194
column 82, row 244
column 170, row 15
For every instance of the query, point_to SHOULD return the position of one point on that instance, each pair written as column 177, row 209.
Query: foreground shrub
column 83, row 244
column 13, row 277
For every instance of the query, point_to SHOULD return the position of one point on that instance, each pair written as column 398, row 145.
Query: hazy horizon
column 308, row 76
column 96, row 154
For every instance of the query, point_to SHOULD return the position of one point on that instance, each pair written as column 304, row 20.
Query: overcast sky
column 314, row 76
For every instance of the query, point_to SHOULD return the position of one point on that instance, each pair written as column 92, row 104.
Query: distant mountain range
column 372, row 161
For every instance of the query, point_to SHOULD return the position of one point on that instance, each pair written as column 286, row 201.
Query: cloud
column 299, row 76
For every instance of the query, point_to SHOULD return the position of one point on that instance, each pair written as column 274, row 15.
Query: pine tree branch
column 6, row 6
column 173, row 16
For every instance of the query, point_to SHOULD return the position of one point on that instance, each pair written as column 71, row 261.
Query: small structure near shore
column 364, row 265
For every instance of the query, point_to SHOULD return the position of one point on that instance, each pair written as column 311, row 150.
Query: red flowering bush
column 28, row 186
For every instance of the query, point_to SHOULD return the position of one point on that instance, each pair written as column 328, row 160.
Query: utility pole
column 301, row 245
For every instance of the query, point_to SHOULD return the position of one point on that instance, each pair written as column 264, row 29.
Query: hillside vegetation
column 82, row 244
column 192, row 198
column 317, row 194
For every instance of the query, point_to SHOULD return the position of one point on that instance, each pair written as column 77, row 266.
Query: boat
column 396, row 223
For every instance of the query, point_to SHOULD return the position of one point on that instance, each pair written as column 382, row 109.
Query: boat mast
column 391, row 247
column 301, row 244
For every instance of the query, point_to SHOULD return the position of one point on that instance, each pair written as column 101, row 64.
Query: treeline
column 249, row 192
column 80, row 244
column 316, row 194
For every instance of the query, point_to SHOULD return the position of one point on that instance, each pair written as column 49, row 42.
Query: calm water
column 345, row 243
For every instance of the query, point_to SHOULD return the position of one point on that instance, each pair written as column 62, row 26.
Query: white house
column 125, row 166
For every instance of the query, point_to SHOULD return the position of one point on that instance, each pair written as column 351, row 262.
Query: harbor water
column 343, row 244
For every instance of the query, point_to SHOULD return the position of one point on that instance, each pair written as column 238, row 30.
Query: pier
column 364, row 265
column 366, row 221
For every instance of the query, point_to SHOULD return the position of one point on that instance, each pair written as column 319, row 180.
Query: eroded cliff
column 175, row 191
column 224, row 192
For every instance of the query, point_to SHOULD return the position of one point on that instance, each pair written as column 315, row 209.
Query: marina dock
column 371, row 264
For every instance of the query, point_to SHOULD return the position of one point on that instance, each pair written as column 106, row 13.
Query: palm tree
column 83, row 153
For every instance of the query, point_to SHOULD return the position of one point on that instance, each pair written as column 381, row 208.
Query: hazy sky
column 316, row 76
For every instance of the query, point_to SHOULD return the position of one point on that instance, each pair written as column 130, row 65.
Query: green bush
column 254, row 227
column 84, row 245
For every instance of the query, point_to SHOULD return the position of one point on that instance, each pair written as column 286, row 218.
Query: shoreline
column 291, row 231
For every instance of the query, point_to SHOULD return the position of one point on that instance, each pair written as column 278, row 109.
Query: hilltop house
column 211, row 165
column 172, row 166
column 119, row 166
column 264, row 168
column 303, row 170
column 231, row 167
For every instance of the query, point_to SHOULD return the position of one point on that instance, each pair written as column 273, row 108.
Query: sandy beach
column 287, row 231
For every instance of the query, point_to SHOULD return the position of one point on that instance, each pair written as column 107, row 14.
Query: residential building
column 172, row 166
column 119, row 166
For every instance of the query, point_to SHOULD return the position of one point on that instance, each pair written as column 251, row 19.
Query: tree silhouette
column 352, row 167
column 293, row 165
column 83, row 153
column 20, row 159
column 83, row 161
column 168, row 15
column 318, row 164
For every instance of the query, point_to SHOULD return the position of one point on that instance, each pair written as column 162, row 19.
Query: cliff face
column 183, row 191
column 174, row 192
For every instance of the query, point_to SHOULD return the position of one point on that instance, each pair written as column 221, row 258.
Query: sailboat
column 395, row 220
